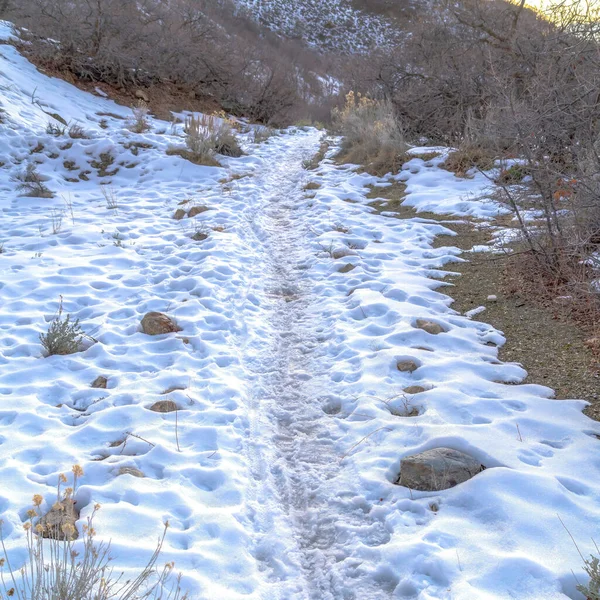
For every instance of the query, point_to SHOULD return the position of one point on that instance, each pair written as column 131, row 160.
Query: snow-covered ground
column 278, row 476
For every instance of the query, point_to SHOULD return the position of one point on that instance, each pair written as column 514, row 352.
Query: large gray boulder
column 437, row 469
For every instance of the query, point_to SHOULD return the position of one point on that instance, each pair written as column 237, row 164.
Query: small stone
column 414, row 389
column 197, row 210
column 429, row 326
column 341, row 253
column 407, row 366
column 492, row 298
column 155, row 323
column 164, row 406
column 199, row 236
column 437, row 469
column 141, row 95
column 563, row 300
column 131, row 471
column 100, row 382
column 347, row 268
column 59, row 522
column 179, row 214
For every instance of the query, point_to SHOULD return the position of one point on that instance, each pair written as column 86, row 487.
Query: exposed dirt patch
column 164, row 98
column 389, row 200
column 549, row 345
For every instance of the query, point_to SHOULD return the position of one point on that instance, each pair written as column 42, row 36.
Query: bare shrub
column 500, row 81
column 60, row 567
column 76, row 131
column 198, row 135
column 139, row 122
column 32, row 184
column 110, row 197
column 64, row 336
column 203, row 47
column 372, row 134
column 56, row 220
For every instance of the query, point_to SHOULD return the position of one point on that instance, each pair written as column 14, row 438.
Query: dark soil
column 548, row 344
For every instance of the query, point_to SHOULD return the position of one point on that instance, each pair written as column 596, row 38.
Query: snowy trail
column 295, row 465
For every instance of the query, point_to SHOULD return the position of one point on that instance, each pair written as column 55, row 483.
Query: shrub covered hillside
column 206, row 48
column 503, row 83
column 328, row 25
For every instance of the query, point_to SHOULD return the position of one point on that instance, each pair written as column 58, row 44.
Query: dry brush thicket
column 208, row 48
column 500, row 81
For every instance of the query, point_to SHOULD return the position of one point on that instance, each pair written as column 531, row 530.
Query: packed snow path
column 297, row 484
column 295, row 302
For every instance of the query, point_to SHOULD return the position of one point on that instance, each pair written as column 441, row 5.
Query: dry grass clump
column 372, row 135
column 32, row 184
column 469, row 156
column 59, row 567
column 64, row 336
column 205, row 137
column 139, row 122
column 77, row 132
column 262, row 134
column 206, row 134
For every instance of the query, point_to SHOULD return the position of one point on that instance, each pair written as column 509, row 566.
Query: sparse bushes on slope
column 500, row 81
column 372, row 134
column 200, row 46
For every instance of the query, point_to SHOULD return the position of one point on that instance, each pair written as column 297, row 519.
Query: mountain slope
column 328, row 25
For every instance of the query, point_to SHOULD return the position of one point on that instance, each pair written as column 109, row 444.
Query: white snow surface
column 278, row 481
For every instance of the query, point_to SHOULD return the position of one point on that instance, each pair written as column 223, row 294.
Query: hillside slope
column 327, row 25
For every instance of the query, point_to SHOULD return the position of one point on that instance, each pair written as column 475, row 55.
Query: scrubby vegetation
column 495, row 80
column 372, row 133
column 64, row 336
column 210, row 49
column 60, row 567
column 499, row 81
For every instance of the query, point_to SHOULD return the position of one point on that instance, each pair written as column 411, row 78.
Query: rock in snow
column 164, row 406
column 155, row 323
column 414, row 389
column 407, row 366
column 429, row 326
column 437, row 469
column 100, row 382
